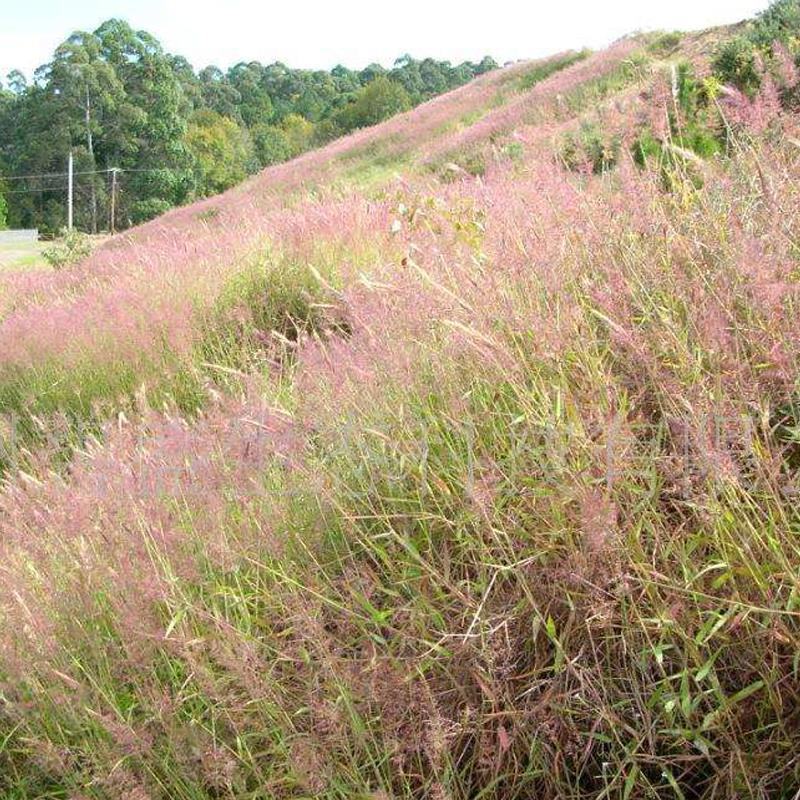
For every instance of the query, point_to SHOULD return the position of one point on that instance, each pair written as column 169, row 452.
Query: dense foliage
column 119, row 101
column 70, row 248
column 749, row 80
column 740, row 60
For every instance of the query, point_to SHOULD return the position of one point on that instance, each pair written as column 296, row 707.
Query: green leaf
column 630, row 782
column 670, row 778
column 176, row 619
column 702, row 673
column 743, row 694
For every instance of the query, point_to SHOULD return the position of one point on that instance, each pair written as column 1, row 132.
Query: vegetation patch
column 477, row 491
column 541, row 71
column 70, row 248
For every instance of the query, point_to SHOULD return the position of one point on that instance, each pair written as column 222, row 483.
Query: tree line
column 117, row 100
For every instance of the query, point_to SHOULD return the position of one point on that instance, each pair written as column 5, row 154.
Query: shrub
column 209, row 214
column 590, row 150
column 693, row 128
column 144, row 210
column 778, row 23
column 3, row 212
column 262, row 310
column 513, row 151
column 698, row 127
column 455, row 165
column 646, row 149
column 665, row 43
column 378, row 100
column 539, row 72
column 701, row 140
column 735, row 64
column 72, row 247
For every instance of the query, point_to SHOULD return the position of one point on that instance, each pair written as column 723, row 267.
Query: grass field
column 22, row 255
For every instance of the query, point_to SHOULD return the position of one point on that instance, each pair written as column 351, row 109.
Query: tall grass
column 499, row 501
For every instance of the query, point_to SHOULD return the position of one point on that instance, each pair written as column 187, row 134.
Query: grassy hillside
column 457, row 459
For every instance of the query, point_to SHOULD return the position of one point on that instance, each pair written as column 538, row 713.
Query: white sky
column 320, row 34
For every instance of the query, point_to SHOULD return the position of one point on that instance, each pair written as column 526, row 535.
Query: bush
column 514, row 151
column 646, row 149
column 779, row 22
column 665, row 43
column 380, row 99
column 735, row 64
column 590, row 150
column 697, row 129
column 541, row 71
column 144, row 210
column 701, row 140
column 459, row 164
column 693, row 131
column 71, row 248
column 3, row 212
column 269, row 297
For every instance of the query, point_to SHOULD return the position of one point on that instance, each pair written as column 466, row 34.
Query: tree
column 191, row 89
column 407, row 73
column 380, row 99
column 271, row 144
column 284, row 86
column 487, row 64
column 218, row 94
column 149, row 138
column 85, row 90
column 435, row 76
column 3, row 213
column 370, row 72
column 317, row 96
column 117, row 101
column 222, row 150
column 255, row 104
column 299, row 133
column 347, row 81
column 17, row 82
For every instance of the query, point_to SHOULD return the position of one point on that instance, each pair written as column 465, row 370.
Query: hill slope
column 457, row 459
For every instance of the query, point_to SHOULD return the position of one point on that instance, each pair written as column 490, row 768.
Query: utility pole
column 113, row 224
column 90, row 148
column 69, row 192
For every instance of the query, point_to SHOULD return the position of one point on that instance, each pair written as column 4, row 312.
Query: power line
column 86, row 172
column 51, row 175
column 60, row 188
column 26, row 177
column 142, row 169
column 37, row 191
column 67, row 185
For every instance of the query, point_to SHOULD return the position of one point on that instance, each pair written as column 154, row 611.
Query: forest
column 167, row 134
